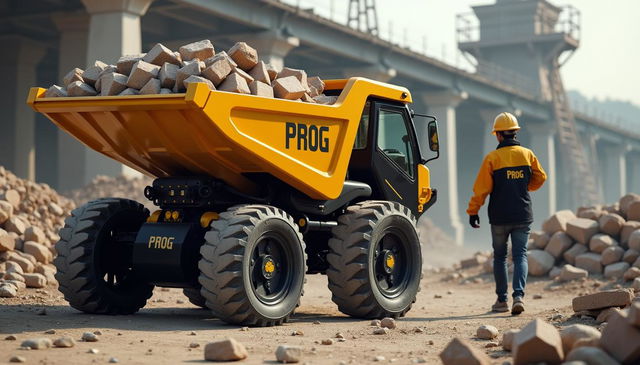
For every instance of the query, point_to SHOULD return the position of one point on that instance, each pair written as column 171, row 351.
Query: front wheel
column 375, row 261
column 253, row 266
column 94, row 264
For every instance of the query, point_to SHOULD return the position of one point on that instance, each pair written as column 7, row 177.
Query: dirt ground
column 162, row 332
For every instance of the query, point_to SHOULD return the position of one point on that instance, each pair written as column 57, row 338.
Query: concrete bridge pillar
column 444, row 170
column 490, row 141
column 74, row 35
column 633, row 172
column 272, row 46
column 613, row 168
column 17, row 140
column 543, row 145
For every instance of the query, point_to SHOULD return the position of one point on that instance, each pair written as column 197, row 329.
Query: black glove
column 474, row 221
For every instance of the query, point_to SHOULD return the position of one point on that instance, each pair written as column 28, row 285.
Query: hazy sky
column 607, row 64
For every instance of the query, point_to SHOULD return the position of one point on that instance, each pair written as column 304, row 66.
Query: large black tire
column 253, row 266
column 194, row 296
column 375, row 261
column 88, row 270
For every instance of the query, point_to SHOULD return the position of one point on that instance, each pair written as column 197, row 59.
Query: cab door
column 395, row 154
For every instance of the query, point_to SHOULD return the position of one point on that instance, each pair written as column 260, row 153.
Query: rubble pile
column 123, row 186
column 31, row 215
column 163, row 71
column 597, row 240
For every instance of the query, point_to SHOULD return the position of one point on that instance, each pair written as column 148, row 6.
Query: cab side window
column 394, row 140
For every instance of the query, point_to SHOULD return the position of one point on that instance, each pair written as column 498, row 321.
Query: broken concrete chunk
column 459, row 351
column 125, row 63
column 190, row 69
column 507, row 339
column 221, row 56
column 35, row 280
column 308, row 99
column 592, row 262
column 248, row 78
column 55, row 91
column 92, row 73
column 611, row 224
column 601, row 242
column 198, row 79
column 558, row 221
column 487, row 332
column 601, row 300
column 79, row 88
column 317, row 83
column 151, row 87
column 167, row 75
column 301, row 75
column 575, row 250
column 621, row 339
column 159, row 55
column 244, row 55
column 259, row 88
column 141, row 73
column 165, row 91
column 217, row 71
column 289, row 354
column 129, row 91
column 107, row 70
column 272, row 71
column 540, row 262
column 537, row 342
column 326, row 100
column 113, row 83
column 570, row 273
column 71, row 76
column 558, row 244
column 288, row 88
column 201, row 50
column 236, row 84
column 612, row 255
column 616, row 270
column 37, row 343
column 225, row 350
column 581, row 229
column 260, row 73
column 572, row 334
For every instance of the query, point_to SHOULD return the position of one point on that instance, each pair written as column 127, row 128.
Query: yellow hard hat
column 505, row 122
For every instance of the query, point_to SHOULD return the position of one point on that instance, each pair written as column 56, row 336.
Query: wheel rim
column 113, row 267
column 392, row 264
column 270, row 269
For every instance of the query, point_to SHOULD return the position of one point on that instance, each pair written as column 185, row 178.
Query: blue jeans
column 519, row 238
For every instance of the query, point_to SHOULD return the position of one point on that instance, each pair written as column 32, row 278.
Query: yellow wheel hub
column 390, row 261
column 269, row 267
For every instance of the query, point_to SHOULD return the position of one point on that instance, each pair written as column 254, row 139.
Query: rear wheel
column 253, row 265
column 375, row 260
column 94, row 257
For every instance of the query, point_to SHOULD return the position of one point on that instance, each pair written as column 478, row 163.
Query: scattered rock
column 113, row 360
column 621, row 340
column 327, row 341
column 601, row 242
column 537, row 342
column 601, row 300
column 558, row 244
column 540, row 262
column 575, row 250
column 388, row 323
column 89, row 337
column 634, row 314
column 571, row 334
column 487, row 332
column 381, row 331
column 616, row 270
column 225, row 350
column 611, row 224
column 375, row 323
column 581, row 229
column 16, row 358
column 37, row 343
column 10, row 338
column 64, row 342
column 558, row 221
column 379, row 358
column 459, row 351
column 592, row 262
column 93, row 351
column 289, row 354
column 590, row 356
column 604, row 315
column 194, row 345
column 570, row 273
column 612, row 255
column 507, row 339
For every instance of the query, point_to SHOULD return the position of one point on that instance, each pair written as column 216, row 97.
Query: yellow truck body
column 225, row 135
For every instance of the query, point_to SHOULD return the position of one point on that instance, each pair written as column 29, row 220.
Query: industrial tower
column 534, row 38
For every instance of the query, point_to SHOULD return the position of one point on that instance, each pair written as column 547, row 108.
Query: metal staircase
column 363, row 16
column 583, row 180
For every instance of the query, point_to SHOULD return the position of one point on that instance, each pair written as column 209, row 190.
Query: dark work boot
column 518, row 306
column 499, row 306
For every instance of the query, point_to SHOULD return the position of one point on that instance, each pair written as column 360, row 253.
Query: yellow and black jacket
column 509, row 173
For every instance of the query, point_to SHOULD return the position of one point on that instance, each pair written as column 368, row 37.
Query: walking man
column 507, row 174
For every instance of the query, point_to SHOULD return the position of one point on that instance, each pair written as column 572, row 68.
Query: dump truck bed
column 224, row 135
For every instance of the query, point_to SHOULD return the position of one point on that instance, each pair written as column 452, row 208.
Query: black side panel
column 167, row 254
column 350, row 191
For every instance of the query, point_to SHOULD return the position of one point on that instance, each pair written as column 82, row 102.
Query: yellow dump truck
column 252, row 194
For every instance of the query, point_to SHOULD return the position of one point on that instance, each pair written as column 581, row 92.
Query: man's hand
column 474, row 221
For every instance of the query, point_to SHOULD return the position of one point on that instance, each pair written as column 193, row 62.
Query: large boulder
column 558, row 244
column 540, row 262
column 612, row 255
column 581, row 229
column 601, row 242
column 631, row 256
column 611, row 224
column 616, row 271
column 537, row 342
column 558, row 221
column 625, row 201
column 602, row 300
column 592, row 262
column 540, row 239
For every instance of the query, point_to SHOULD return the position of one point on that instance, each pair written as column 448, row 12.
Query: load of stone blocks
column 31, row 215
column 163, row 71
column 596, row 240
